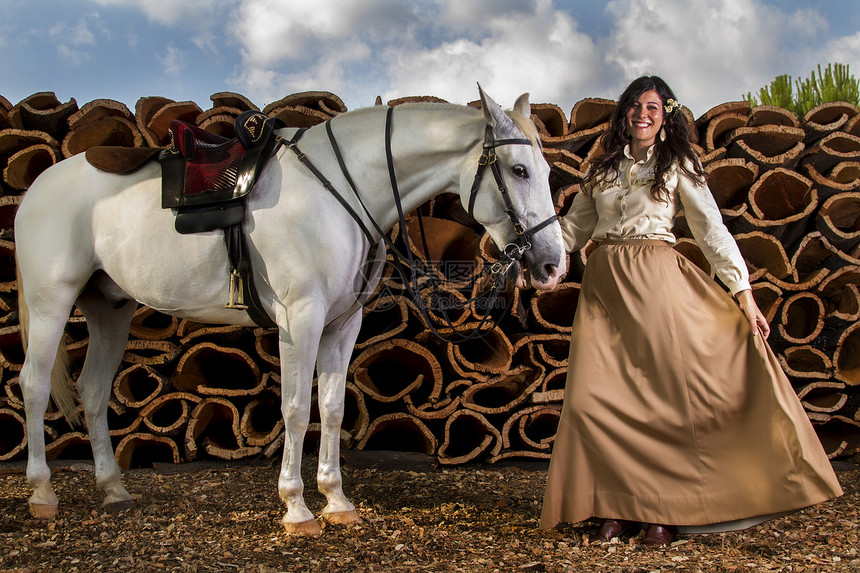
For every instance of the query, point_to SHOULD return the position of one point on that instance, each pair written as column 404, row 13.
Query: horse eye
column 520, row 171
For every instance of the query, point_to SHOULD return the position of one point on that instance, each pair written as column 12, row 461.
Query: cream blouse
column 625, row 209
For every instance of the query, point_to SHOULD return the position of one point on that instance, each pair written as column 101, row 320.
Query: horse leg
column 44, row 332
column 298, row 349
column 332, row 364
column 108, row 329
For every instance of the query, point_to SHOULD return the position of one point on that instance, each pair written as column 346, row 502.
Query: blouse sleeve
column 712, row 236
column 579, row 222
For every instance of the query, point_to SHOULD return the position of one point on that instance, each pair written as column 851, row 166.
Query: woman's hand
column 756, row 318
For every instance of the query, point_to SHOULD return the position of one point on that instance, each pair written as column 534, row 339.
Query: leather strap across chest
column 511, row 252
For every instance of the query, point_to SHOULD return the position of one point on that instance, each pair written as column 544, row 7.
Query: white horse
column 102, row 241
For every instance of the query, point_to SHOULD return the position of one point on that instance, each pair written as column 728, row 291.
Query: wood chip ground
column 417, row 517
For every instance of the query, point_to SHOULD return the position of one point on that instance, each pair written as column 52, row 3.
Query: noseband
column 522, row 242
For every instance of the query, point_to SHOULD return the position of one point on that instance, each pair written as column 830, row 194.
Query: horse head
column 515, row 203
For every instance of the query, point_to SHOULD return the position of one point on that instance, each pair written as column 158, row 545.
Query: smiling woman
column 656, row 426
column 644, row 121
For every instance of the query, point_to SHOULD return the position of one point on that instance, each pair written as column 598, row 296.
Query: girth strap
column 240, row 264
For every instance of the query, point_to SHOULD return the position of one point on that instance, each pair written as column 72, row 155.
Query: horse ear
column 522, row 106
column 493, row 112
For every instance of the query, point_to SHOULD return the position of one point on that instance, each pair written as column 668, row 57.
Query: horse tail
column 61, row 387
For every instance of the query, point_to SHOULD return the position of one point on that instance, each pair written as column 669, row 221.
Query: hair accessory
column 671, row 106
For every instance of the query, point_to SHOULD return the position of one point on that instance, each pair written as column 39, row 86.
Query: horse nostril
column 550, row 269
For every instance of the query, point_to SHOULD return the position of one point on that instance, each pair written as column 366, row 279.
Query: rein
column 511, row 253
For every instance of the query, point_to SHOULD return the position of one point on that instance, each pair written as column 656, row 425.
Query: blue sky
column 561, row 51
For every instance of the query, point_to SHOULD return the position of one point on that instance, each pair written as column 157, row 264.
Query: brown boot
column 658, row 535
column 610, row 528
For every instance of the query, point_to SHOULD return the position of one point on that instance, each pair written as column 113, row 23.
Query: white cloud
column 73, row 41
column 470, row 17
column 845, row 50
column 172, row 60
column 209, row 42
column 271, row 83
column 710, row 51
column 172, row 12
column 276, row 31
column 808, row 23
column 434, row 47
column 517, row 47
column 443, row 47
column 80, row 34
column 101, row 28
column 289, row 46
column 73, row 57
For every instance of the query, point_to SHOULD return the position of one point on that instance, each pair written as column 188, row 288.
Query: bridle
column 511, row 253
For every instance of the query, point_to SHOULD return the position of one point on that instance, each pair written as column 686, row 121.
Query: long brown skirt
column 674, row 413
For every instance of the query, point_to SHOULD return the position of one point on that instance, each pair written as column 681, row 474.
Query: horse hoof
column 342, row 518
column 44, row 511
column 119, row 506
column 309, row 527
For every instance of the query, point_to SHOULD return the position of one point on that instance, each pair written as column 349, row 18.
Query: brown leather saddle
column 203, row 173
column 205, row 178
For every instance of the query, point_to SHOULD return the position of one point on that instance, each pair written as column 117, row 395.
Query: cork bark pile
column 788, row 188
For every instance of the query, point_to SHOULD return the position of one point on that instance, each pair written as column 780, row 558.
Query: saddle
column 205, row 175
column 205, row 178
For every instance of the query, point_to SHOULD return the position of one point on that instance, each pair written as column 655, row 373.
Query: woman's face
column 645, row 119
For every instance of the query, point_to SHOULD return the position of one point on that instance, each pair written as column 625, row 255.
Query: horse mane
column 418, row 106
column 528, row 127
column 472, row 114
column 523, row 123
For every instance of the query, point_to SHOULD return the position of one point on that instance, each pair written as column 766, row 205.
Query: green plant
column 778, row 93
column 834, row 84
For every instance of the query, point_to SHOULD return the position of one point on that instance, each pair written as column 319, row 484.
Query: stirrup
column 237, row 298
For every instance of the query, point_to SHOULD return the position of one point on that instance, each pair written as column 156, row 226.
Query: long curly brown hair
column 675, row 147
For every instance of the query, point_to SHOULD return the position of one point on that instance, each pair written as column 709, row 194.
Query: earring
column 662, row 134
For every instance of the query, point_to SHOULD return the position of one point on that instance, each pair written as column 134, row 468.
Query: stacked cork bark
column 788, row 188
